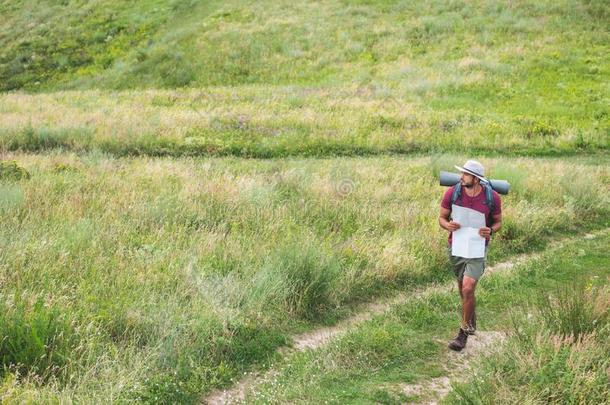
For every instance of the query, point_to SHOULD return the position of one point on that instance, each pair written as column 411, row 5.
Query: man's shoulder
column 446, row 201
column 449, row 191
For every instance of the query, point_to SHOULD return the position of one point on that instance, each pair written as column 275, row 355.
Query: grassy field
column 269, row 79
column 554, row 310
column 144, row 278
column 183, row 184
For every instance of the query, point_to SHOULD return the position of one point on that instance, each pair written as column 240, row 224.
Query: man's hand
column 485, row 232
column 445, row 222
column 453, row 226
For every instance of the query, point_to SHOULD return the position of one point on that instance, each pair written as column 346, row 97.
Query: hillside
column 359, row 77
column 170, row 43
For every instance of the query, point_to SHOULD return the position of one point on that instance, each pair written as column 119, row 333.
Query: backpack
column 489, row 198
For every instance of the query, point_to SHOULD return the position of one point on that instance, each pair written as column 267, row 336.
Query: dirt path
column 309, row 340
column 435, row 388
column 457, row 367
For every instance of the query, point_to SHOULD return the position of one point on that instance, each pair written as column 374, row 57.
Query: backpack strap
column 457, row 193
column 489, row 198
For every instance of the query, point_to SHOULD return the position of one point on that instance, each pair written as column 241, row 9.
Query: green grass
column 405, row 345
column 173, row 276
column 170, row 44
column 188, row 183
column 52, row 42
column 275, row 79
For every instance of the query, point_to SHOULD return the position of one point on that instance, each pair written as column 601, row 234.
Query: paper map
column 466, row 241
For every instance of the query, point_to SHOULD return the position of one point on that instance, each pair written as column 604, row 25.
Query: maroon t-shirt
column 476, row 203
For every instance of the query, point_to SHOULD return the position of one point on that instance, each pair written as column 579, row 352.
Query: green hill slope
column 51, row 42
column 520, row 76
column 169, row 43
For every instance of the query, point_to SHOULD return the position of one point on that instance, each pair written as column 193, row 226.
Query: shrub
column 541, row 129
column 10, row 170
column 299, row 278
column 39, row 139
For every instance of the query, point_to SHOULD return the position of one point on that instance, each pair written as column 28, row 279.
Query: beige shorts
column 473, row 268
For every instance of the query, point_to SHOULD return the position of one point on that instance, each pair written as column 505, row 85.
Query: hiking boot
column 472, row 327
column 459, row 342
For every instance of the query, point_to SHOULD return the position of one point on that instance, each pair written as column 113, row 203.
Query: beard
column 468, row 185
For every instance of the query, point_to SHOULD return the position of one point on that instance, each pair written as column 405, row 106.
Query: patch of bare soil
column 235, row 394
column 319, row 337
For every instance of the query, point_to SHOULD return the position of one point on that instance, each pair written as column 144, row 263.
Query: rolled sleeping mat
column 449, row 179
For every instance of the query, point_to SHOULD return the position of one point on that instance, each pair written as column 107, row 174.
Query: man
column 472, row 194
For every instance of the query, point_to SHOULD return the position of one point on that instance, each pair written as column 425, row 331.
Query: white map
column 466, row 241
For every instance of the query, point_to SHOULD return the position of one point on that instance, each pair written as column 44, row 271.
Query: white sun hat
column 475, row 168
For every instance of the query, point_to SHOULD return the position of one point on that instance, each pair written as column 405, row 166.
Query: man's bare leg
column 461, row 295
column 460, row 340
column 468, row 300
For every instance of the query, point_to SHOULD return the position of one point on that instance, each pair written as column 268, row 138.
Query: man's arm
column 497, row 224
column 445, row 222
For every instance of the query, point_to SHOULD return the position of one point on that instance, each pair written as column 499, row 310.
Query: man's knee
column 468, row 292
column 468, row 287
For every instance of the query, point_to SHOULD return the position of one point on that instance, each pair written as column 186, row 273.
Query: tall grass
column 401, row 356
column 262, row 122
column 35, row 339
column 299, row 279
column 575, row 311
column 447, row 47
column 137, row 277
column 176, row 275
